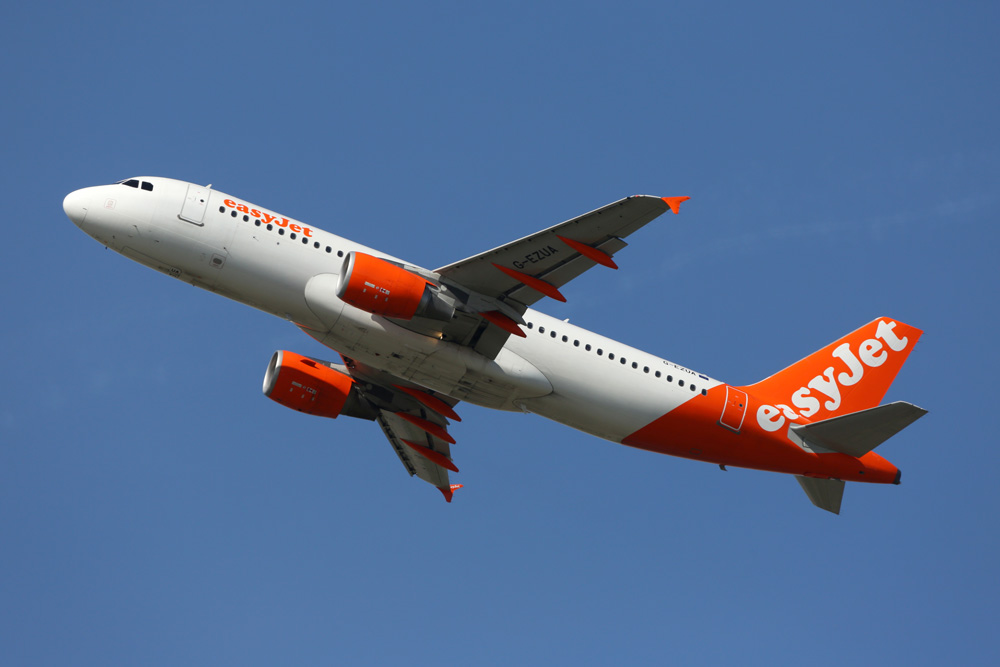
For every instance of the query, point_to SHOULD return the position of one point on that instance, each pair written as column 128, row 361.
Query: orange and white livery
column 414, row 342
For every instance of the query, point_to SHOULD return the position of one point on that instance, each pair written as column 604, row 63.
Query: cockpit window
column 135, row 183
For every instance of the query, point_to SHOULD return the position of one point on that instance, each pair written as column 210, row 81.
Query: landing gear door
column 195, row 203
column 734, row 410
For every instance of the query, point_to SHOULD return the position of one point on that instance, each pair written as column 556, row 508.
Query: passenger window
column 657, row 374
column 680, row 383
column 292, row 236
column 565, row 338
column 587, row 347
column 611, row 355
column 541, row 329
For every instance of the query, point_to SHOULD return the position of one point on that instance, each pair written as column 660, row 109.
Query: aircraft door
column 734, row 410
column 195, row 203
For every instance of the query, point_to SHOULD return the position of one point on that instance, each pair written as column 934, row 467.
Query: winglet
column 675, row 203
column 449, row 490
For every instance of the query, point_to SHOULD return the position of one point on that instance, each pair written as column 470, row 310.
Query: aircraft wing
column 554, row 256
column 518, row 274
column 415, row 422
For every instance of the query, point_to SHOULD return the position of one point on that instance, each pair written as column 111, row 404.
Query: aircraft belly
column 445, row 367
column 618, row 412
column 597, row 397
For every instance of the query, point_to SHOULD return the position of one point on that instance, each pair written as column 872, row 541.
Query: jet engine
column 312, row 387
column 383, row 288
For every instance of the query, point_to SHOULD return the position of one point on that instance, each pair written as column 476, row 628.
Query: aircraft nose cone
column 75, row 204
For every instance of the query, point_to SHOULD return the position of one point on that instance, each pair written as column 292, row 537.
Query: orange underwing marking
column 590, row 252
column 675, row 203
column 534, row 283
column 431, row 455
column 432, row 402
column 449, row 491
column 429, row 426
column 504, row 322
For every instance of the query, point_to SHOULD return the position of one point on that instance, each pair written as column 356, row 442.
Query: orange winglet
column 429, row 426
column 431, row 455
column 449, row 491
column 675, row 203
column 432, row 402
column 590, row 252
column 504, row 322
column 534, row 283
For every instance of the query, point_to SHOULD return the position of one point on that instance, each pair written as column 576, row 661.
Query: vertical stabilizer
column 848, row 375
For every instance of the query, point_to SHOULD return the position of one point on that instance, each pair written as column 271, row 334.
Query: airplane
column 415, row 342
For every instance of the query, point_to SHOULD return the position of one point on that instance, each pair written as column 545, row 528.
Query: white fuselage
column 290, row 269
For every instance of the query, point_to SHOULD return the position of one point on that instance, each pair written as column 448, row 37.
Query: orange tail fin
column 848, row 375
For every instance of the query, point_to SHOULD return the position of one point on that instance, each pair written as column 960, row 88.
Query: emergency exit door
column 195, row 203
column 734, row 410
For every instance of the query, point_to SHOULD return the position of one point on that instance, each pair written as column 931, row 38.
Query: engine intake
column 383, row 288
column 309, row 386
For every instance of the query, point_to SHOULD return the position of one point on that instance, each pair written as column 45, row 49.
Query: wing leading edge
column 556, row 255
column 524, row 271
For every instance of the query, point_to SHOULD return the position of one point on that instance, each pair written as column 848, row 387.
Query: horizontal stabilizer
column 858, row 433
column 825, row 494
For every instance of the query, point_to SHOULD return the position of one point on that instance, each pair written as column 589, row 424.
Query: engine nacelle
column 382, row 288
column 309, row 386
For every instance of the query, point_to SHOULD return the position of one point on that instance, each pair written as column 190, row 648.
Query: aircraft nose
column 75, row 204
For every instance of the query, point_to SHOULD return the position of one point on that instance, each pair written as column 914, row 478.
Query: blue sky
column 843, row 163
